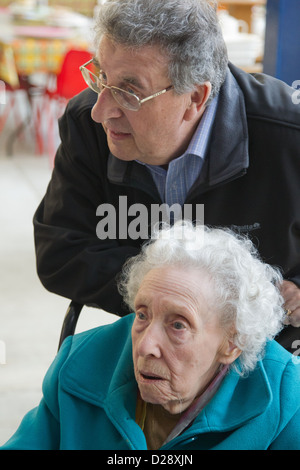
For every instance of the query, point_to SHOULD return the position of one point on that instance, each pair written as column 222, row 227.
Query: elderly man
column 168, row 120
column 194, row 367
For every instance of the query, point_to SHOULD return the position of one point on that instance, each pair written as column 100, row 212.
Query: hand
column 291, row 294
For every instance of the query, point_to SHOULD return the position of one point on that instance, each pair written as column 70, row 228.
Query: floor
column 30, row 316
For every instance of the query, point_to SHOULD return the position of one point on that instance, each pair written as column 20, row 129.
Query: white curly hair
column 247, row 297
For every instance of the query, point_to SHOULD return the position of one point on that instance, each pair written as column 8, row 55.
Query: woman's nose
column 105, row 107
column 150, row 342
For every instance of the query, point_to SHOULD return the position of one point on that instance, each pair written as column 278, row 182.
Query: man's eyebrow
column 129, row 80
column 133, row 81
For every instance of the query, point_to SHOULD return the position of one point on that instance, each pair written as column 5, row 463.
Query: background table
column 36, row 48
column 37, row 42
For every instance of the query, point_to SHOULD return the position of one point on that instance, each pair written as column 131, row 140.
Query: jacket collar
column 131, row 174
column 109, row 383
column 228, row 150
column 227, row 153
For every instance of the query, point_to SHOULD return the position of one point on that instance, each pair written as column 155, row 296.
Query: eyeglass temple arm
column 157, row 94
column 86, row 64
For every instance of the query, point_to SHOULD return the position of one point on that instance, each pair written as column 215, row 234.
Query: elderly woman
column 195, row 367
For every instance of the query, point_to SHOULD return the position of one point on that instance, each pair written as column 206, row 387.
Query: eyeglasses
column 126, row 99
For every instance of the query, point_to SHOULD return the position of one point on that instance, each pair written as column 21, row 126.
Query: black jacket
column 250, row 182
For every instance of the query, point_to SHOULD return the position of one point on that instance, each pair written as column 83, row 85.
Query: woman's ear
column 229, row 352
column 198, row 100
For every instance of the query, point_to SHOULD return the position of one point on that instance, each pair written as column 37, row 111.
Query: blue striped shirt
column 174, row 183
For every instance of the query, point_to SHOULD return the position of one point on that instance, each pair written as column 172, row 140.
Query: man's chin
column 120, row 152
column 124, row 158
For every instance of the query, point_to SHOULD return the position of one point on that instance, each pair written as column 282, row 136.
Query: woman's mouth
column 150, row 377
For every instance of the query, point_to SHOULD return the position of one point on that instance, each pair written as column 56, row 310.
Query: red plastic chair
column 69, row 83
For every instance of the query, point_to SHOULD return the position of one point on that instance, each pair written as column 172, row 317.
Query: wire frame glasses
column 124, row 98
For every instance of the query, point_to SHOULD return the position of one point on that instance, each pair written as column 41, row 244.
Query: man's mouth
column 117, row 134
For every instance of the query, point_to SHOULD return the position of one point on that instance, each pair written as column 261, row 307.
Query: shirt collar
column 200, row 139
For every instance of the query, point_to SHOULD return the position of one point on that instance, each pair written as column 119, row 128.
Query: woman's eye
column 178, row 325
column 141, row 316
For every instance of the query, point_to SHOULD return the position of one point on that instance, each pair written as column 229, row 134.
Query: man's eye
column 102, row 77
column 130, row 90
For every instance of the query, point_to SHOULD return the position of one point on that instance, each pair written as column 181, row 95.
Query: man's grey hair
column 187, row 31
column 246, row 292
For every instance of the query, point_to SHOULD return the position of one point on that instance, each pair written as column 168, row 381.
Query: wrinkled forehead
column 153, row 54
column 167, row 288
column 144, row 62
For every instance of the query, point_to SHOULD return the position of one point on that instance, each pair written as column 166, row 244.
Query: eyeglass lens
column 123, row 98
column 91, row 80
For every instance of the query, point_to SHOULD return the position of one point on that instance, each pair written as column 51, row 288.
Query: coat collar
column 98, row 365
column 107, row 381
column 100, row 371
column 239, row 400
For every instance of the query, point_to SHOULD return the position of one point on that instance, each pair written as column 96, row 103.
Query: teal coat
column 90, row 398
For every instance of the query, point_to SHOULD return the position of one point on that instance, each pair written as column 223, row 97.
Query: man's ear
column 229, row 352
column 198, row 100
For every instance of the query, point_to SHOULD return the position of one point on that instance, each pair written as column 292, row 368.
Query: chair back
column 70, row 321
column 70, row 81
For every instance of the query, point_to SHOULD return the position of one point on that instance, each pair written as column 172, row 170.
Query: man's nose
column 105, row 107
column 150, row 343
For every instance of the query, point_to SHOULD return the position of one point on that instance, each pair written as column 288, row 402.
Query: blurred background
column 42, row 44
